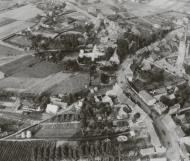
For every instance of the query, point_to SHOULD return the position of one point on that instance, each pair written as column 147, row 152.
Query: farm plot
column 19, row 40
column 39, row 70
column 18, row 65
column 6, row 21
column 72, row 84
column 17, row 83
column 60, row 130
column 6, row 52
column 22, row 13
column 47, row 83
column 13, row 28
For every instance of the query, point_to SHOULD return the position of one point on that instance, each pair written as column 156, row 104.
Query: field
column 153, row 7
column 23, row 13
column 17, row 19
column 8, row 52
column 72, row 84
column 18, row 65
column 17, row 83
column 6, row 21
column 32, row 76
column 39, row 69
column 48, row 82
column 13, row 27
column 19, row 41
column 60, row 130
column 29, row 66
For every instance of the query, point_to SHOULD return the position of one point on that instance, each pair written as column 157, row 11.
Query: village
column 94, row 81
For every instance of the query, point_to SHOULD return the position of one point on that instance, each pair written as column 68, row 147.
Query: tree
column 46, row 153
column 40, row 153
column 109, row 52
column 122, row 48
column 63, row 152
column 165, row 100
column 34, row 154
column 52, row 152
column 58, row 153
column 70, row 152
column 65, row 149
column 75, row 154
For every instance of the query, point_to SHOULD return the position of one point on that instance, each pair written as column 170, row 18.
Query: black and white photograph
column 94, row 80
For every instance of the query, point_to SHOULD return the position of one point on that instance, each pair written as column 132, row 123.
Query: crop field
column 39, row 69
column 58, row 130
column 47, row 83
column 13, row 27
column 20, row 41
column 72, row 84
column 152, row 7
column 17, row 82
column 8, row 52
column 18, row 65
column 6, row 21
column 22, row 13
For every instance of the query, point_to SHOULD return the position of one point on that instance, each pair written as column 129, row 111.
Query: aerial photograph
column 94, row 80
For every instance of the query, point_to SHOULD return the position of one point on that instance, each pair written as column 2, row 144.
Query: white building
column 158, row 159
column 92, row 55
column 147, row 98
column 2, row 75
column 52, row 108
column 115, row 58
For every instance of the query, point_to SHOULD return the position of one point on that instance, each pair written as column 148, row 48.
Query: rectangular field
column 18, row 40
column 6, row 21
column 14, row 27
column 22, row 13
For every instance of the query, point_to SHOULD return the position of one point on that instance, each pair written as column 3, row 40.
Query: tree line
column 83, row 149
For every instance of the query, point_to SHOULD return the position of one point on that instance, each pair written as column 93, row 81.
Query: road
column 169, row 137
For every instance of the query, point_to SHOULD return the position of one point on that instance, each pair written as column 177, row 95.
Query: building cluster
column 97, row 86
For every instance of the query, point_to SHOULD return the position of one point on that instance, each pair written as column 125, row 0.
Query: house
column 160, row 107
column 174, row 109
column 159, row 92
column 147, row 98
column 2, row 75
column 52, row 108
column 147, row 151
column 153, row 151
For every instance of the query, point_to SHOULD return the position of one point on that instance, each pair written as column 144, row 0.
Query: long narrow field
column 20, row 151
column 154, row 6
column 47, row 83
column 18, row 65
column 22, row 13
